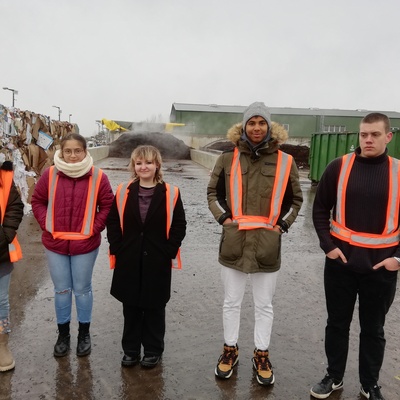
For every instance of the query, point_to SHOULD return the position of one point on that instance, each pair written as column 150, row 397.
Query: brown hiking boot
column 228, row 359
column 263, row 367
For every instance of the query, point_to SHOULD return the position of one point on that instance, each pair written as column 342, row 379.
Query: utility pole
column 59, row 112
column 14, row 92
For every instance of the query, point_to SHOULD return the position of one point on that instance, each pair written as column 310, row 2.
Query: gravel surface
column 194, row 322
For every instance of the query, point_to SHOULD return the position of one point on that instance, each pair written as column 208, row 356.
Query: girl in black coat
column 144, row 239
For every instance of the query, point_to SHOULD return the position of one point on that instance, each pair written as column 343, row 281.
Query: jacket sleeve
column 12, row 217
column 114, row 231
column 292, row 200
column 104, row 202
column 216, row 192
column 40, row 199
column 177, row 231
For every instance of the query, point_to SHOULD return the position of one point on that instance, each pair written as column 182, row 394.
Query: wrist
column 398, row 260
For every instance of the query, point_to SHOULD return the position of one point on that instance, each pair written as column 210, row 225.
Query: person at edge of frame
column 11, row 213
column 361, row 243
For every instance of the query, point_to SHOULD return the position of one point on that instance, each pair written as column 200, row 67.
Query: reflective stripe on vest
column 246, row 222
column 121, row 197
column 90, row 208
column 390, row 235
column 6, row 177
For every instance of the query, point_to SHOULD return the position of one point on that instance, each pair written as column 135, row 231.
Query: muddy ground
column 194, row 327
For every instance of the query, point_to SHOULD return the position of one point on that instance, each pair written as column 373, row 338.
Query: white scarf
column 73, row 170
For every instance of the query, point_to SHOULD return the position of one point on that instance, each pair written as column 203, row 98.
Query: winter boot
column 62, row 346
column 6, row 359
column 84, row 346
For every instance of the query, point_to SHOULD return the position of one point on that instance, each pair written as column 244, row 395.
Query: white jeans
column 263, row 284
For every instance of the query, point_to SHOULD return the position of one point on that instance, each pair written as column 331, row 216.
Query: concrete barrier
column 204, row 158
column 98, row 153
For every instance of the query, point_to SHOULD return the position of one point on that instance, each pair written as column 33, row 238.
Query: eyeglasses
column 77, row 152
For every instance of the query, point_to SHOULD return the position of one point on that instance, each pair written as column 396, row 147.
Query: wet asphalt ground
column 194, row 323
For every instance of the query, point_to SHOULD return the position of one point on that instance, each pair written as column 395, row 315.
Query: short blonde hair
column 146, row 153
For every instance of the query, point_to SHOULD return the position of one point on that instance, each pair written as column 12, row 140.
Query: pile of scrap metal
column 29, row 140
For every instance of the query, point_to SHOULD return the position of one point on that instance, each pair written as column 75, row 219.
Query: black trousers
column 143, row 326
column 375, row 291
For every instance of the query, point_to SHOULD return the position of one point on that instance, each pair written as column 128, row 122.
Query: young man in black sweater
column 361, row 243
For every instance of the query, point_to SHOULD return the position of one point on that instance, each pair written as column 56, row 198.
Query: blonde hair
column 146, row 153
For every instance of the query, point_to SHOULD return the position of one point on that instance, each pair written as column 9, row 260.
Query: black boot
column 84, row 346
column 61, row 348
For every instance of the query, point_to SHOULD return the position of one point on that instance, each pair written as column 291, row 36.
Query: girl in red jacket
column 71, row 203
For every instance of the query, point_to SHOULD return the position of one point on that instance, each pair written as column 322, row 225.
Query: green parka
column 256, row 250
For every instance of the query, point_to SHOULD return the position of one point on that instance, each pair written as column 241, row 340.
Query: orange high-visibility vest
column 391, row 234
column 246, row 222
column 90, row 210
column 6, row 177
column 121, row 196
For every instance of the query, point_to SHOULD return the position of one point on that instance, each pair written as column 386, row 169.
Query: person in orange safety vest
column 356, row 216
column 71, row 202
column 254, row 193
column 145, row 229
column 11, row 213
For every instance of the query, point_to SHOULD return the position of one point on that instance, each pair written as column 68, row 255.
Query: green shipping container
column 325, row 147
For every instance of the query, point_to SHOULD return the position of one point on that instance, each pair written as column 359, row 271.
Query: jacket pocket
column 231, row 245
column 268, row 247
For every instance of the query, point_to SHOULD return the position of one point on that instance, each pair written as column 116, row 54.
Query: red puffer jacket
column 69, row 211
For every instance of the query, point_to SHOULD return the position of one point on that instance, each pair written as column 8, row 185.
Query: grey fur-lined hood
column 279, row 134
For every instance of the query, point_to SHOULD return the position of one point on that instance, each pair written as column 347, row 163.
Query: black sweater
column 366, row 206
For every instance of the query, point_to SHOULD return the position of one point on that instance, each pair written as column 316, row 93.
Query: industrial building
column 301, row 123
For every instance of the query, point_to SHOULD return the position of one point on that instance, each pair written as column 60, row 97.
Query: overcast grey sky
column 131, row 59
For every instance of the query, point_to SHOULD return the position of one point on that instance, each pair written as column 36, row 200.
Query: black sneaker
column 323, row 389
column 150, row 361
column 372, row 393
column 130, row 361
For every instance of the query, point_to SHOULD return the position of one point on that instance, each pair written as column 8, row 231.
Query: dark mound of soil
column 221, row 146
column 169, row 146
column 299, row 153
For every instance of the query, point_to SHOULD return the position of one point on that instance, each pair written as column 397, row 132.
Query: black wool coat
column 142, row 274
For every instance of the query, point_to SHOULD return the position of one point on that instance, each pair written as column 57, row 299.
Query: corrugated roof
column 280, row 110
column 208, row 108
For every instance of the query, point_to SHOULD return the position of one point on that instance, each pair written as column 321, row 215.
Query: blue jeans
column 72, row 274
column 4, row 303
